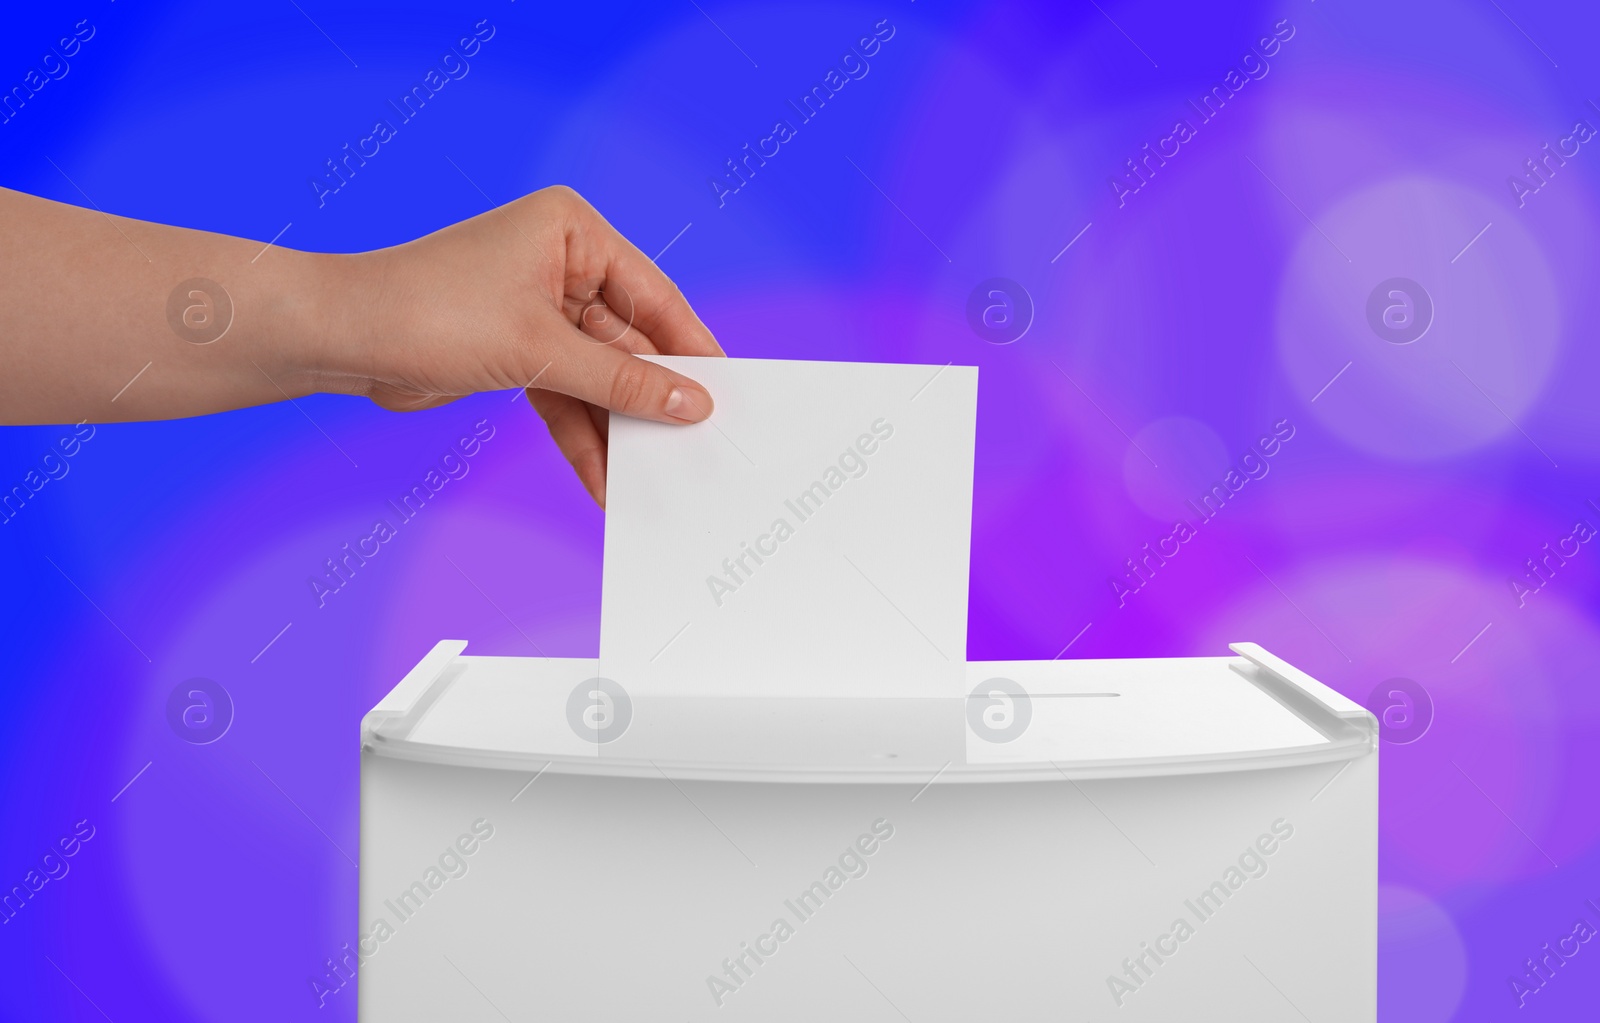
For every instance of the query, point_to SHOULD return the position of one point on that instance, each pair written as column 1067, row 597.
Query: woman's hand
column 541, row 293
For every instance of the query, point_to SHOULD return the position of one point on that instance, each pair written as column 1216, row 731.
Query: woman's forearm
column 105, row 318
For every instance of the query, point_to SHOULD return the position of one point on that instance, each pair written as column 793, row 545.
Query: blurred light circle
column 1170, row 462
column 1424, row 959
column 1483, row 796
column 1418, row 320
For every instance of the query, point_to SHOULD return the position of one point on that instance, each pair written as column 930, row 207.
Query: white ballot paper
column 810, row 539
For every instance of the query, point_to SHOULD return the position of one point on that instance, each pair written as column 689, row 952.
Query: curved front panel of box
column 1159, row 840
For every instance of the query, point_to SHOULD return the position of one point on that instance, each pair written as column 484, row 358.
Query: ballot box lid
column 1020, row 720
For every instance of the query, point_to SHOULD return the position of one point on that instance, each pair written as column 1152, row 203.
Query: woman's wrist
column 328, row 321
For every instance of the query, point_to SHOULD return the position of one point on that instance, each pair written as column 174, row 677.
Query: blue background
column 1226, row 294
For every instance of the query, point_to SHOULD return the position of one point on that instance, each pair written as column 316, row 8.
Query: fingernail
column 680, row 405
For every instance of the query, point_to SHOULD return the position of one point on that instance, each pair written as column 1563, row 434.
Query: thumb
column 604, row 376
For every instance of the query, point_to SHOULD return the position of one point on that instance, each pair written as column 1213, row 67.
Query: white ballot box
column 1177, row 839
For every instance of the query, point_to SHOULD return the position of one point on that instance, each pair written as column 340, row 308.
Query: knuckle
column 563, row 195
column 631, row 386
